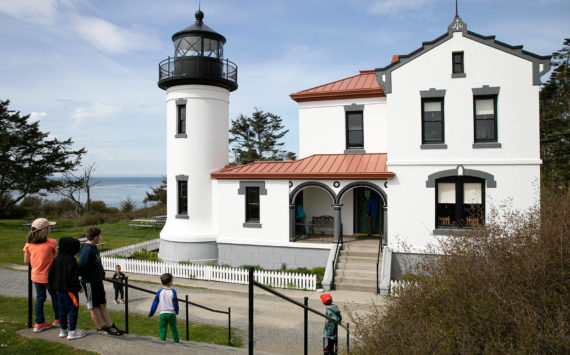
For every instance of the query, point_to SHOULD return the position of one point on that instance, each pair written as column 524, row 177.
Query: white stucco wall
column 204, row 150
column 411, row 212
column 515, row 165
column 274, row 214
column 517, row 116
column 322, row 126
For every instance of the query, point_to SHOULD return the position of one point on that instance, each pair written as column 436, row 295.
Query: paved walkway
column 278, row 324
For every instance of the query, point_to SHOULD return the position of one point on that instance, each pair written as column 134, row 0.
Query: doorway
column 371, row 223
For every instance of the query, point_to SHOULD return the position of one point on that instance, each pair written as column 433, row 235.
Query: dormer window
column 458, row 68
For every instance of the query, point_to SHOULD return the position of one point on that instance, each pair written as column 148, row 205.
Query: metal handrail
column 168, row 69
column 339, row 243
column 185, row 301
column 304, row 305
column 380, row 249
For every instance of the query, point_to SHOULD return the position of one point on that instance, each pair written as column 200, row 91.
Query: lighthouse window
column 181, row 119
column 183, row 197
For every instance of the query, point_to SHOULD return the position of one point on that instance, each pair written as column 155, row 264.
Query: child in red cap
column 331, row 325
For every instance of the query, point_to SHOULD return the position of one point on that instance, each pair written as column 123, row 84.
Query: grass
column 13, row 313
column 12, row 320
column 115, row 234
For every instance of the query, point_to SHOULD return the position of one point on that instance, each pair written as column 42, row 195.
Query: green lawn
column 13, row 313
column 116, row 235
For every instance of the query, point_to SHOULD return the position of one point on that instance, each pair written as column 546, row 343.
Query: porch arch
column 301, row 186
column 292, row 197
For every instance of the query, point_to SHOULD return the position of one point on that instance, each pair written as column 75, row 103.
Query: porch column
column 337, row 224
column 291, row 223
column 385, row 225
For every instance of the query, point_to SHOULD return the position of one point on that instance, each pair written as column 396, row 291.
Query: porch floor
column 348, row 239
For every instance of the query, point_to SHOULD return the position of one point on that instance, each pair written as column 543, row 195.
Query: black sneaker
column 113, row 330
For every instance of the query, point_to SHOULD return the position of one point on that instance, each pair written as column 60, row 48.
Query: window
column 354, row 130
column 485, row 111
column 459, row 202
column 252, row 204
column 457, row 62
column 180, row 119
column 183, row 197
column 432, row 120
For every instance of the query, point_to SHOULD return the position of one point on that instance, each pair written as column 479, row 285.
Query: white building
column 435, row 137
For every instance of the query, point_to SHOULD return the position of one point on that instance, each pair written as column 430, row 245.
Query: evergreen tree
column 258, row 138
column 554, row 130
column 28, row 158
column 157, row 194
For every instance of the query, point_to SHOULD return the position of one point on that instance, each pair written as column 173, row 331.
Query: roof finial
column 199, row 3
column 456, row 11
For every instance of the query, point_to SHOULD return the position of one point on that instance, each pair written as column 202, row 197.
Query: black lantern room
column 198, row 59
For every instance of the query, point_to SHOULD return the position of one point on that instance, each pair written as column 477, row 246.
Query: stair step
column 367, row 274
column 355, row 280
column 357, row 259
column 356, row 267
column 355, row 287
column 359, row 252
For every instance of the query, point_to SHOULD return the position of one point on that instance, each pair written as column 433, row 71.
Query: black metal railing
column 380, row 249
column 185, row 301
column 197, row 67
column 127, row 286
column 339, row 244
column 304, row 305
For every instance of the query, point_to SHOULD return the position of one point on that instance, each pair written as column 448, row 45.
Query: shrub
column 128, row 204
column 502, row 288
column 145, row 255
column 98, row 207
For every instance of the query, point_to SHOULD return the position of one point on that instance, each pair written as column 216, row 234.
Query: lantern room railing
column 197, row 67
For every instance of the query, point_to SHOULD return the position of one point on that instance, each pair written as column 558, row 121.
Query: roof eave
column 352, row 94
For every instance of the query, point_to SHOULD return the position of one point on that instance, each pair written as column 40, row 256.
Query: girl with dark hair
column 39, row 252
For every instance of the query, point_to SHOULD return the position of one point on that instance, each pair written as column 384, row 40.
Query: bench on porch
column 322, row 224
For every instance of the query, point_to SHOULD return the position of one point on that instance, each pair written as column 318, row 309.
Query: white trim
column 189, row 239
column 464, row 162
column 282, row 245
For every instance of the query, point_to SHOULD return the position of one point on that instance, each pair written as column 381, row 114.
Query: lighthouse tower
column 198, row 81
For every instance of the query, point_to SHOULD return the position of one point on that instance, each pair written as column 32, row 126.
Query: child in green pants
column 168, row 301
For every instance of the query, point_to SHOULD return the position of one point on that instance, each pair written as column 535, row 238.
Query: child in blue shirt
column 168, row 301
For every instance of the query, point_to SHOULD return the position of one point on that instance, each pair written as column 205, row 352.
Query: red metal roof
column 358, row 86
column 318, row 166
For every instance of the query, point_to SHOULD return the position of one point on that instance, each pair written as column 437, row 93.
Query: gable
column 540, row 64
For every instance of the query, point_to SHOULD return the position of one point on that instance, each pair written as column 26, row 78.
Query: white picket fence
column 130, row 249
column 213, row 273
column 398, row 287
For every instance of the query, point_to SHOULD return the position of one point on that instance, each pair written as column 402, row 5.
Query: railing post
column 348, row 338
column 250, row 328
column 127, row 304
column 187, row 323
column 30, row 306
column 306, row 323
column 230, row 326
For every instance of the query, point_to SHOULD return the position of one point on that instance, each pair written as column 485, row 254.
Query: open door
column 367, row 212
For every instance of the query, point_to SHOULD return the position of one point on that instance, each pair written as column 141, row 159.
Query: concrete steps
column 356, row 267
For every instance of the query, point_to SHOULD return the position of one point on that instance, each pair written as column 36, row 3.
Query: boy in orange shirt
column 39, row 252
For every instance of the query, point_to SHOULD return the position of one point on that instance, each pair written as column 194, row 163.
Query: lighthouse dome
column 198, row 59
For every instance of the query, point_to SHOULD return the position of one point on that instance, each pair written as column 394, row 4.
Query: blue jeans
column 40, row 300
column 67, row 307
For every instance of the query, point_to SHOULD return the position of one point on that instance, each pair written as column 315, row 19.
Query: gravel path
column 278, row 324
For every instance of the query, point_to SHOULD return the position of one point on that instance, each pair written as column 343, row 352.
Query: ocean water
column 114, row 190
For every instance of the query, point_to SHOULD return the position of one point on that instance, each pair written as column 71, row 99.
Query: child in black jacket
column 63, row 276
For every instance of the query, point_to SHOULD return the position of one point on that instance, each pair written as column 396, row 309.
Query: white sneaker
column 76, row 334
column 63, row 333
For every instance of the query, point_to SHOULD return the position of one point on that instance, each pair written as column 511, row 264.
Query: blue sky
column 88, row 69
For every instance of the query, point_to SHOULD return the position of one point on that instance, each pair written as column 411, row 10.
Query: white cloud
column 95, row 109
column 111, row 38
column 37, row 115
column 395, row 6
column 35, row 11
